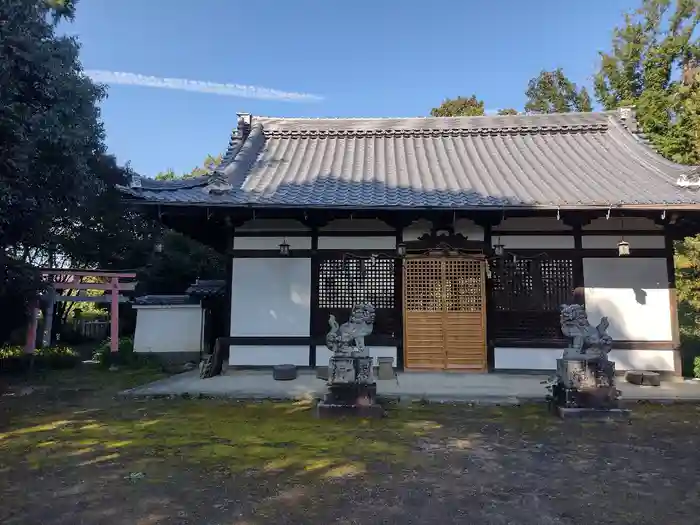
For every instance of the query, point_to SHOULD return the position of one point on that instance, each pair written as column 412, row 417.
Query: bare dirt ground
column 70, row 453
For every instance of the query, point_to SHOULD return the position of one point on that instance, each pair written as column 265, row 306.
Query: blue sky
column 363, row 58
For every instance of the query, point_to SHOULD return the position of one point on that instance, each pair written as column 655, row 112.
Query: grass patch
column 236, row 437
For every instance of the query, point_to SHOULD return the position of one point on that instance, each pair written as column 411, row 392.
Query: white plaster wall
column 357, row 243
column 526, row 358
column 176, row 328
column 356, row 225
column 546, row 359
column 254, row 355
column 469, row 229
column 416, row 229
column 610, row 241
column 271, row 243
column 534, row 242
column 323, row 354
column 629, row 223
column 278, row 225
column 271, row 297
column 534, row 224
column 632, row 293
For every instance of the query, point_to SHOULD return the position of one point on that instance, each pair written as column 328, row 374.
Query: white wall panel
column 533, row 224
column 610, row 241
column 632, row 293
column 357, row 243
column 271, row 297
column 256, row 355
column 176, row 328
column 661, row 360
column 534, row 242
column 546, row 359
column 323, row 354
column 526, row 358
column 629, row 223
column 271, row 243
column 356, row 225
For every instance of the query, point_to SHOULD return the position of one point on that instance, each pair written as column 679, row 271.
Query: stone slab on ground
column 410, row 386
column 594, row 413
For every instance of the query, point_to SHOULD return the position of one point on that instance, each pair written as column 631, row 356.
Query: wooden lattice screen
column 444, row 316
column 344, row 282
column 525, row 297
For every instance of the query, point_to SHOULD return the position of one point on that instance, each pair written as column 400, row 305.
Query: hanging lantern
column 401, row 249
column 284, row 248
column 498, row 249
column 158, row 247
column 623, row 248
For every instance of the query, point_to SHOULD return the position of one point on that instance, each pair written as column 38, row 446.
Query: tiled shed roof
column 566, row 160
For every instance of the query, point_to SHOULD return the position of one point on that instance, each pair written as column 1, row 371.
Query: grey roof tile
column 571, row 159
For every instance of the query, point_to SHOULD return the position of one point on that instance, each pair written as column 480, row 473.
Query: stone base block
column 593, row 413
column 638, row 377
column 330, row 410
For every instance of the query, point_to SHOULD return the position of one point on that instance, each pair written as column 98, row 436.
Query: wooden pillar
column 30, row 343
column 114, row 316
column 48, row 317
column 673, row 302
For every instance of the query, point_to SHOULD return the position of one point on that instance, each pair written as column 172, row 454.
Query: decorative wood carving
column 445, row 240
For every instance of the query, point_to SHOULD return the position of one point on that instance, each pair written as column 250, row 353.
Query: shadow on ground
column 76, row 455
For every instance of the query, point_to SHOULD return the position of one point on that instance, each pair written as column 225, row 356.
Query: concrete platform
column 410, row 386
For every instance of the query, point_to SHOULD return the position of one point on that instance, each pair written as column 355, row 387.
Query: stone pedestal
column 351, row 389
column 586, row 384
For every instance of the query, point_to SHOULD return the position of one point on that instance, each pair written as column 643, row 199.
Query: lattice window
column 423, row 285
column 526, row 294
column 463, row 285
column 346, row 282
column 342, row 283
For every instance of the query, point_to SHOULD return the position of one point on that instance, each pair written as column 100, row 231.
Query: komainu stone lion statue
column 350, row 336
column 587, row 342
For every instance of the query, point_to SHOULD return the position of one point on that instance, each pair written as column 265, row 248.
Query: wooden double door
column 444, row 313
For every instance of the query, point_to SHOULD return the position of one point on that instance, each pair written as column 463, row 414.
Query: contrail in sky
column 183, row 84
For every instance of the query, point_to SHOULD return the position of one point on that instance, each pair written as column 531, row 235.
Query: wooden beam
column 88, row 299
column 123, row 287
column 86, row 273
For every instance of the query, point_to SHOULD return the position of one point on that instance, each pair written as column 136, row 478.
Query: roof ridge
column 429, row 117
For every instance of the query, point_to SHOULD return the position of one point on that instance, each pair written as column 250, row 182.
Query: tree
column 49, row 127
column 209, row 164
column 459, row 107
column 652, row 66
column 507, row 111
column 49, row 132
column 553, row 92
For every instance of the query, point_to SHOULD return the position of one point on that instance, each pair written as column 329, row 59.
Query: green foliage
column 49, row 126
column 459, row 107
column 209, row 164
column 507, row 111
column 124, row 357
column 180, row 264
column 553, row 92
column 653, row 66
column 696, row 367
column 13, row 358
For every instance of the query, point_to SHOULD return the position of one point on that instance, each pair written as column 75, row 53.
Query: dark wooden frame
column 221, row 222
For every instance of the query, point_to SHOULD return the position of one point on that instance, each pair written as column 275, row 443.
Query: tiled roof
column 567, row 160
column 207, row 288
column 164, row 300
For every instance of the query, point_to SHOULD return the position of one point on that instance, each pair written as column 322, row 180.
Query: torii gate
column 72, row 282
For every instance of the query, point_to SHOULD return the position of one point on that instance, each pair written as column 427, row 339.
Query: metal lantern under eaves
column 284, row 248
column 623, row 248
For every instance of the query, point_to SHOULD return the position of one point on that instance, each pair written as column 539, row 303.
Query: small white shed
column 169, row 326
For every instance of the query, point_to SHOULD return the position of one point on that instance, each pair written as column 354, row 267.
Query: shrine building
column 465, row 233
